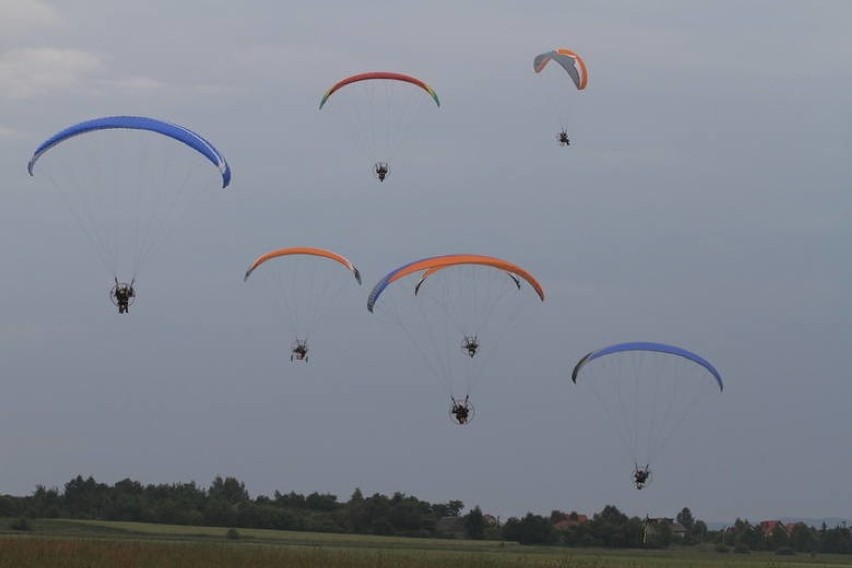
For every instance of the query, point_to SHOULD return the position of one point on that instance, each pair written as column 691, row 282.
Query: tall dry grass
column 40, row 552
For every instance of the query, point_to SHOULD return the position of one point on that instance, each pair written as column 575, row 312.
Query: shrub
column 21, row 524
column 232, row 534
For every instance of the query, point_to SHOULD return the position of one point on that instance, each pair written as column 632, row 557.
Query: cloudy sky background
column 704, row 203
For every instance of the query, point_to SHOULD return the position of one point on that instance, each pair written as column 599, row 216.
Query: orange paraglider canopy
column 439, row 262
column 306, row 251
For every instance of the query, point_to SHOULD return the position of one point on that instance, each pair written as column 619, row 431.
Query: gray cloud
column 42, row 71
column 21, row 17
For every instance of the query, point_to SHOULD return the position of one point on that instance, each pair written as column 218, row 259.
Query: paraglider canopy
column 569, row 60
column 386, row 75
column 175, row 131
column 302, row 282
column 648, row 390
column 469, row 301
column 128, row 180
column 429, row 266
column 647, row 346
column 378, row 108
column 311, row 251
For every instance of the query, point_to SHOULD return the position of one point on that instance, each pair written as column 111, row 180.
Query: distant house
column 451, row 527
column 572, row 520
column 790, row 526
column 678, row 530
column 768, row 527
column 652, row 526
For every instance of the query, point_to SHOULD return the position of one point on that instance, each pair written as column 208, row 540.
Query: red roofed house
column 768, row 527
column 789, row 528
column 571, row 521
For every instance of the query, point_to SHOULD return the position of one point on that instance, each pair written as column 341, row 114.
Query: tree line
column 227, row 503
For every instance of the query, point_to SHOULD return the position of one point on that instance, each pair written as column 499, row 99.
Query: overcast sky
column 704, row 202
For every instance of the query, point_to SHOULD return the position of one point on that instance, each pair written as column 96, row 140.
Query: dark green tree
column 745, row 537
column 532, row 529
column 658, row 534
column 685, row 518
column 474, row 524
column 86, row 498
column 613, row 529
column 699, row 531
column 321, row 502
column 408, row 517
column 46, row 503
column 291, row 500
column 778, row 538
column 803, row 538
column 230, row 490
column 556, row 516
column 357, row 518
column 377, row 508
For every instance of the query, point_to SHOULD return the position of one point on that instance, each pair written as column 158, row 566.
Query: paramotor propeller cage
column 299, row 350
column 381, row 170
column 461, row 412
column 470, row 345
column 131, row 299
column 639, row 481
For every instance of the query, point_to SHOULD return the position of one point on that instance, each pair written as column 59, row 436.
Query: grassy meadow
column 96, row 544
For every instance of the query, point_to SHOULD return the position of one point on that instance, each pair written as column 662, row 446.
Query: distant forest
column 226, row 503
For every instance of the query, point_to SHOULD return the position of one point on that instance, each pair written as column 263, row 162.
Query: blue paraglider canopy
column 647, row 346
column 175, row 131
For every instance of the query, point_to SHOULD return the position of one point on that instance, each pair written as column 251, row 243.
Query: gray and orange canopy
column 435, row 263
column 380, row 75
column 569, row 60
column 303, row 251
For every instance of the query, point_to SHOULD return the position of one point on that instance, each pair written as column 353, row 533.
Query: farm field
column 95, row 544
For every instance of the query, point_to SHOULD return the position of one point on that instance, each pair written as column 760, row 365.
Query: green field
column 95, row 544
